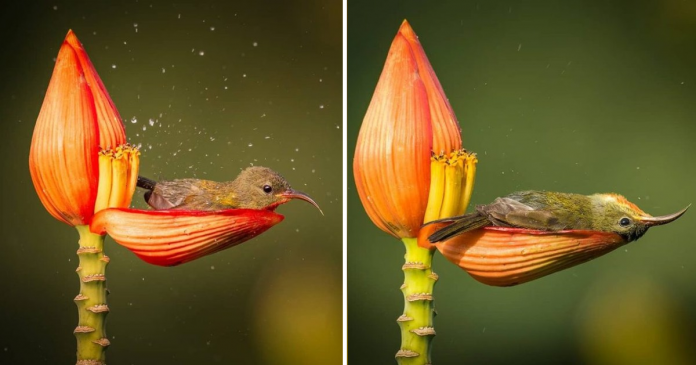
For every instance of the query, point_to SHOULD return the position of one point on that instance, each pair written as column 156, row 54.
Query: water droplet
column 212, row 139
column 256, row 44
column 113, row 66
column 151, row 122
column 201, row 53
column 212, row 29
column 135, row 25
column 321, row 106
column 55, row 7
column 134, row 120
column 251, row 144
column 212, row 268
column 163, row 70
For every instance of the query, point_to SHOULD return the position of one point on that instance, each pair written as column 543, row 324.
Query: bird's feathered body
column 255, row 188
column 193, row 194
column 552, row 211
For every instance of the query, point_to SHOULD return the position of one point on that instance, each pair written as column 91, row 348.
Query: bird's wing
column 172, row 194
column 508, row 212
column 533, row 219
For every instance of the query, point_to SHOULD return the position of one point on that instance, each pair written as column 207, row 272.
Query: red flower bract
column 173, row 237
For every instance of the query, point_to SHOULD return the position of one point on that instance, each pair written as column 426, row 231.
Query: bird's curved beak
column 664, row 219
column 294, row 194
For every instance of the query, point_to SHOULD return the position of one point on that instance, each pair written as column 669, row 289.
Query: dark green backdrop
column 207, row 88
column 575, row 96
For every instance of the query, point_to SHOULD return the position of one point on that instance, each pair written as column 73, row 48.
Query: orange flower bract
column 446, row 131
column 393, row 150
column 501, row 256
column 408, row 119
column 76, row 120
column 111, row 131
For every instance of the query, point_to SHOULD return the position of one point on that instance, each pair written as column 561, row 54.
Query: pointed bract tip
column 71, row 39
column 405, row 28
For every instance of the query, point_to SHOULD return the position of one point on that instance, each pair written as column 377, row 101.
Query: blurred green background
column 574, row 96
column 207, row 88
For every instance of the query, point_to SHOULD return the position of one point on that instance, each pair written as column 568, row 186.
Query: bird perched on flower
column 254, row 188
column 551, row 211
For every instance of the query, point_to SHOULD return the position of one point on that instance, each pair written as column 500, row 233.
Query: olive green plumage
column 552, row 211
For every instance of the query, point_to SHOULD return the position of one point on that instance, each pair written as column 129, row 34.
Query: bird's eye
column 624, row 222
column 267, row 189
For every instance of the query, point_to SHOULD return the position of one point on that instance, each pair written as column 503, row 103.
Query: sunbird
column 254, row 188
column 552, row 211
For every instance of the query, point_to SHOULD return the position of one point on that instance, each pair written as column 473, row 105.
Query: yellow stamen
column 470, row 169
column 437, row 186
column 104, row 188
column 133, row 167
column 451, row 204
column 118, row 176
column 451, row 183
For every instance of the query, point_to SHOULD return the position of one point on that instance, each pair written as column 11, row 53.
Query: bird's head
column 262, row 188
column 624, row 218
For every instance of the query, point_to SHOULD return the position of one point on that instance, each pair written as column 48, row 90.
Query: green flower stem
column 416, row 323
column 91, row 302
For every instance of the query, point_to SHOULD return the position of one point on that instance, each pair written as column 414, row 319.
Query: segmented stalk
column 416, row 322
column 91, row 301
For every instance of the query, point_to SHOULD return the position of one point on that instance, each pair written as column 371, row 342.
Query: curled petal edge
column 501, row 256
column 174, row 237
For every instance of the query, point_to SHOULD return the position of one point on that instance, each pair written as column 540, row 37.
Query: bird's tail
column 146, row 183
column 464, row 223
